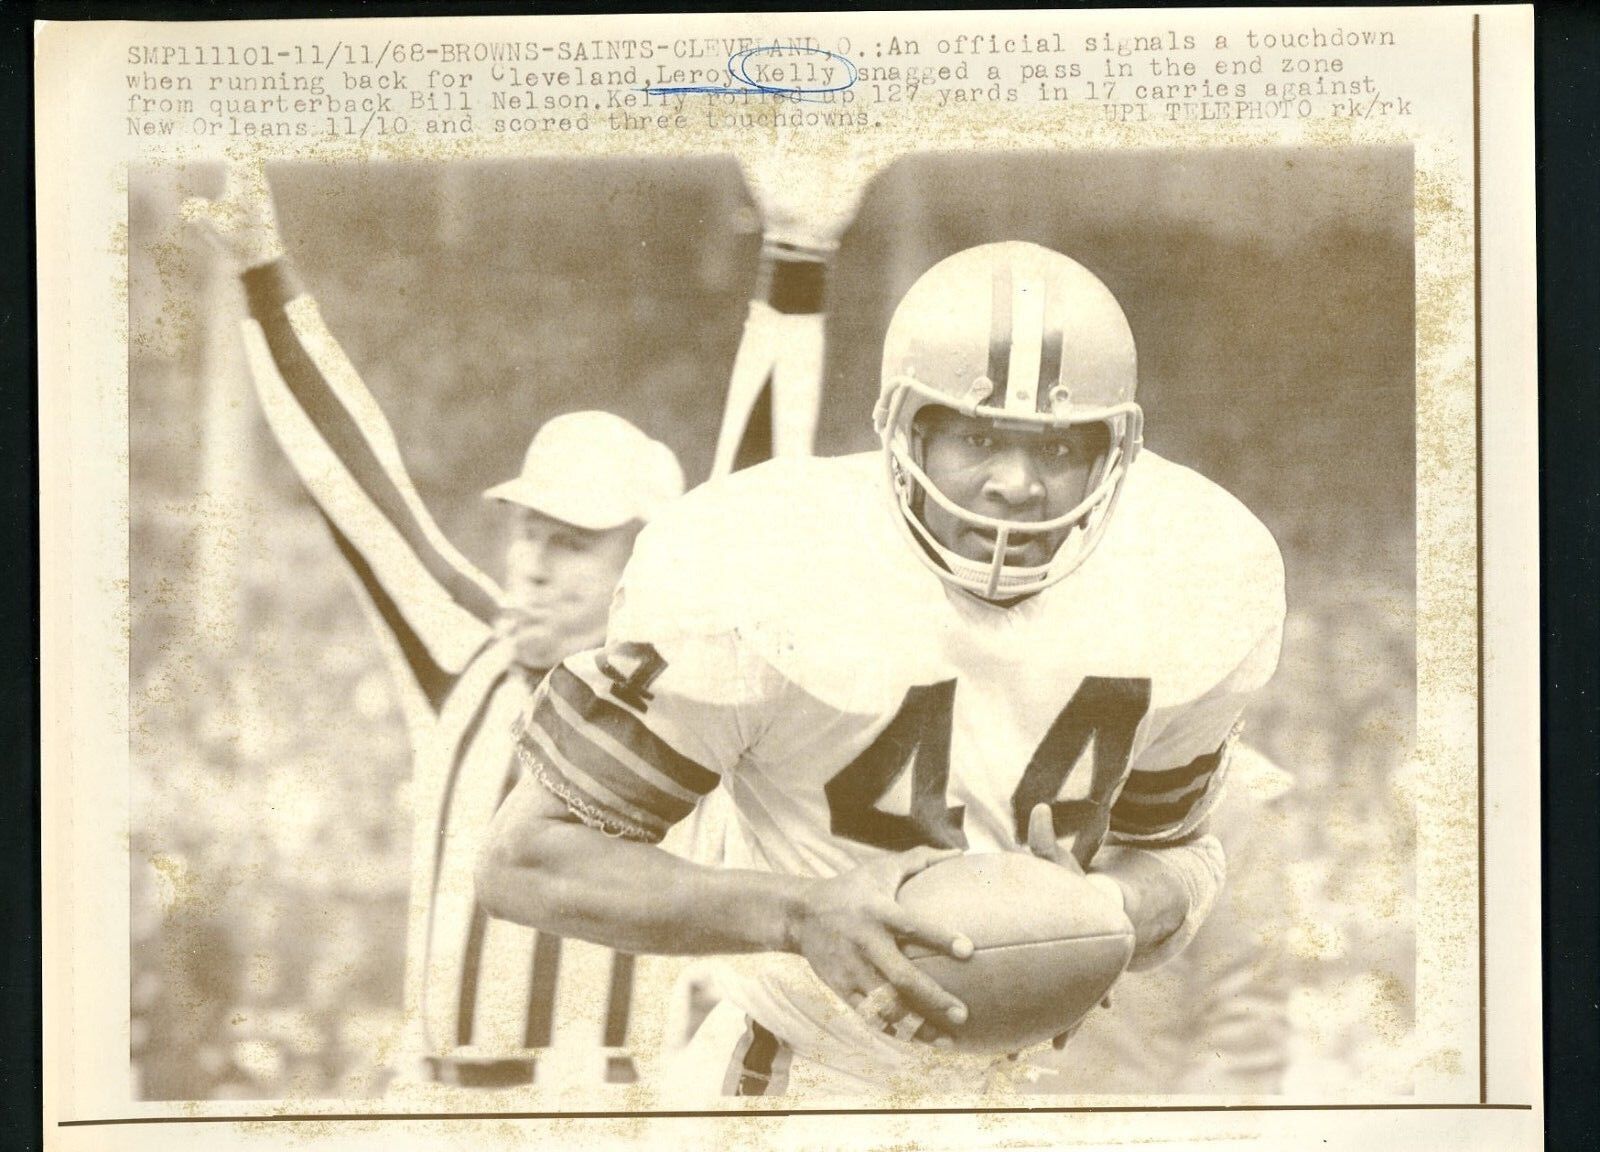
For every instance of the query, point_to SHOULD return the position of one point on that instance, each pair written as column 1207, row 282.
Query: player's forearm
column 1155, row 902
column 1168, row 891
column 571, row 880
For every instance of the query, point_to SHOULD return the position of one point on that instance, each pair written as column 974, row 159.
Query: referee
column 486, row 998
column 488, row 1004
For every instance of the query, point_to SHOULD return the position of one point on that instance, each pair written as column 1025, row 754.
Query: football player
column 1010, row 630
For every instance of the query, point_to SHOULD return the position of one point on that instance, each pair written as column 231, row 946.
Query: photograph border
column 1482, row 900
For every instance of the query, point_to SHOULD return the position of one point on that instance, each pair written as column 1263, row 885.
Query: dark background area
column 1568, row 138
column 1270, row 292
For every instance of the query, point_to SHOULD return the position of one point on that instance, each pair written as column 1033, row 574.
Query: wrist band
column 268, row 287
column 792, row 279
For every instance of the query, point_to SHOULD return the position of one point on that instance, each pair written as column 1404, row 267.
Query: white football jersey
column 775, row 637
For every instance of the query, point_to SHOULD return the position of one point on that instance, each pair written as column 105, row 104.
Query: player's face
column 1014, row 473
column 559, row 582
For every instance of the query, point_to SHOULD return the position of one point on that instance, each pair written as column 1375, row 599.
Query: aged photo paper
column 904, row 580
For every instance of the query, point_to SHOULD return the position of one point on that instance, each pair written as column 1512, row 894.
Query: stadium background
column 1271, row 292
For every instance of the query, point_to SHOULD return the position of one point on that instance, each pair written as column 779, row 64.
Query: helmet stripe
column 1050, row 361
column 1000, row 334
column 1027, row 336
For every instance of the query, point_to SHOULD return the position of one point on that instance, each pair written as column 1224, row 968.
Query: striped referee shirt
column 477, row 989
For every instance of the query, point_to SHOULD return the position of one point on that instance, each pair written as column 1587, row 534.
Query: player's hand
column 848, row 928
column 241, row 222
column 1042, row 843
column 809, row 206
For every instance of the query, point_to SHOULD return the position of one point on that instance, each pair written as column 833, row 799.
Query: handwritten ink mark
column 740, row 66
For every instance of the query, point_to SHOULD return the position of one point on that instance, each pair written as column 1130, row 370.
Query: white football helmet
column 1026, row 337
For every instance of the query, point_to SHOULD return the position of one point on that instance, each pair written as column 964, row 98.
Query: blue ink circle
column 738, row 64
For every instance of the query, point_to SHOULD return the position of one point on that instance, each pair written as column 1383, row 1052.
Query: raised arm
column 436, row 604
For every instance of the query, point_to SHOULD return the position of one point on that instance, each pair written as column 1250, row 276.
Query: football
column 1047, row 945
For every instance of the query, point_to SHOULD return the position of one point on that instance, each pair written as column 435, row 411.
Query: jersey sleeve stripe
column 586, row 808
column 626, row 730
column 1153, row 803
column 551, row 732
column 568, row 697
column 536, row 744
column 327, row 388
column 1151, row 820
column 451, row 632
column 423, row 670
column 1136, row 795
column 310, row 383
column 1174, row 778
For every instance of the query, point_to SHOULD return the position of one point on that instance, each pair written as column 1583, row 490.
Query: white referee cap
column 593, row 470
